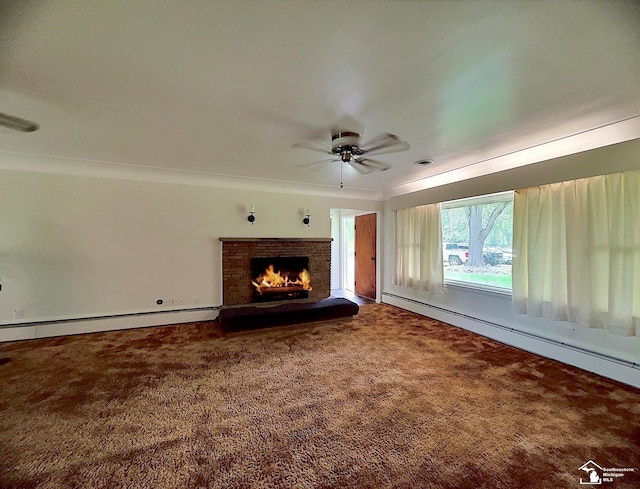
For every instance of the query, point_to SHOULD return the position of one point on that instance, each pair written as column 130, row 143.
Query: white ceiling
column 224, row 88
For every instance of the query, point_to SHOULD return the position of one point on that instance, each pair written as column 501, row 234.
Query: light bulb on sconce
column 307, row 218
column 251, row 217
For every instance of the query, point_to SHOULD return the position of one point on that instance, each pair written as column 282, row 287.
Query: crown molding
column 607, row 135
column 57, row 165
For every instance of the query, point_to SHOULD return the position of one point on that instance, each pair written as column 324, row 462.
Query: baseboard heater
column 41, row 322
column 569, row 346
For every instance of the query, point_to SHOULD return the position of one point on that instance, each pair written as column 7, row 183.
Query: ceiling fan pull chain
column 341, row 185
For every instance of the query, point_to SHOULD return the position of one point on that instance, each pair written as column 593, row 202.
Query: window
column 477, row 236
column 579, row 245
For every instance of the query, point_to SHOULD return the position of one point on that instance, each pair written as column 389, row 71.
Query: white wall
column 74, row 246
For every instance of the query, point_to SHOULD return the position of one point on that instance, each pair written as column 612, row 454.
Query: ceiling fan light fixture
column 17, row 124
column 345, row 141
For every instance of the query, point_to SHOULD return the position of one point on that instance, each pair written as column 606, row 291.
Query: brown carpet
column 388, row 399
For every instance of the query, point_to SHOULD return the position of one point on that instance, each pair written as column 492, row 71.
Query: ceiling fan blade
column 380, row 140
column 317, row 165
column 359, row 167
column 17, row 124
column 373, row 164
column 391, row 147
column 384, row 144
column 311, row 146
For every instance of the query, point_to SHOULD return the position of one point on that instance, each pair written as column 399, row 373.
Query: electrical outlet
column 181, row 300
column 17, row 313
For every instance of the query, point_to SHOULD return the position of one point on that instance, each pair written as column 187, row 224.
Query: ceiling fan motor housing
column 346, row 142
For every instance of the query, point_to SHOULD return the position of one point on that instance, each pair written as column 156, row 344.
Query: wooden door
column 365, row 263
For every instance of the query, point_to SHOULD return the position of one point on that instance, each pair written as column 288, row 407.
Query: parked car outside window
column 455, row 253
column 492, row 256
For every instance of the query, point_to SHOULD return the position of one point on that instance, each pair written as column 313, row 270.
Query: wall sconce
column 251, row 218
column 307, row 218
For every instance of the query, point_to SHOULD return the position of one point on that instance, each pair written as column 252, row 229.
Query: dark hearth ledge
column 254, row 317
column 277, row 239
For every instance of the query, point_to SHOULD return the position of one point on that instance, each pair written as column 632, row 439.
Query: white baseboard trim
column 63, row 327
column 610, row 367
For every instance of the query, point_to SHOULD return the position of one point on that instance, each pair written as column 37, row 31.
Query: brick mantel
column 238, row 252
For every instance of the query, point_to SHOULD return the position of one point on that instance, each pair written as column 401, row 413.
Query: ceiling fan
column 347, row 147
column 17, row 124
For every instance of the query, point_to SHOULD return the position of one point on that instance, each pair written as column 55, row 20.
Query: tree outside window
column 477, row 238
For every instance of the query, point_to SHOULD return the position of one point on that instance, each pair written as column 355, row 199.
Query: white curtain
column 577, row 248
column 419, row 248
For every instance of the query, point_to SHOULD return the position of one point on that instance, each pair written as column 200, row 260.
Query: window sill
column 484, row 289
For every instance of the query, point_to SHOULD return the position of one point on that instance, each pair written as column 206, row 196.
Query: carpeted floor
column 388, row 399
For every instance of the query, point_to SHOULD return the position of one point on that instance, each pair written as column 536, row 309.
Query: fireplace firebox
column 280, row 278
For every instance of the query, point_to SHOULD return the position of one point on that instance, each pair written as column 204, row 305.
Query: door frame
column 340, row 262
column 345, row 269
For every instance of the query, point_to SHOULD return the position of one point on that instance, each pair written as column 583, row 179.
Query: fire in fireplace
column 280, row 278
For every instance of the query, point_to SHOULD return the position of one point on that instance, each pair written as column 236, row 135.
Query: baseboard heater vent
column 569, row 346
column 41, row 322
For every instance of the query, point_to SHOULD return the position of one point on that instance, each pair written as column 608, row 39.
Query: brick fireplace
column 238, row 253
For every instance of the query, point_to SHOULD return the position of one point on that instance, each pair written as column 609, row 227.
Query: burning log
column 272, row 281
column 279, row 290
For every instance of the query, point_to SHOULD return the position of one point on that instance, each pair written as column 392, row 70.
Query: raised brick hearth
column 236, row 264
